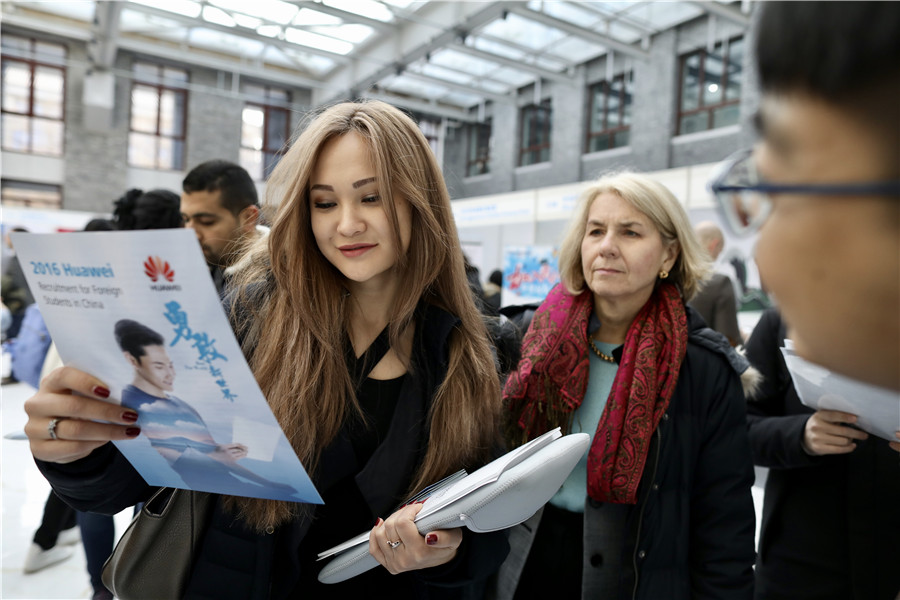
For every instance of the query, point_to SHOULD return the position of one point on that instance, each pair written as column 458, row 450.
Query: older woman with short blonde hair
column 660, row 507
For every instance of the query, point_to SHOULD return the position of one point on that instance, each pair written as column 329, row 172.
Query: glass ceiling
column 492, row 49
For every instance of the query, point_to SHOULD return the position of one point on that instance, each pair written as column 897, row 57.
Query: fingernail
column 378, row 522
column 129, row 416
column 101, row 391
column 431, row 539
column 133, row 431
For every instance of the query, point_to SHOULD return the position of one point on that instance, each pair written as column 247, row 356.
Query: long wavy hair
column 293, row 309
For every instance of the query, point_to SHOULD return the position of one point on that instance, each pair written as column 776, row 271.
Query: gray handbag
column 154, row 556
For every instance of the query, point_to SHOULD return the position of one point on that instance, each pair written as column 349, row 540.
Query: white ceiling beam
column 491, row 11
column 420, row 105
column 104, row 43
column 460, row 87
column 12, row 16
column 348, row 17
column 726, row 12
column 581, row 32
column 237, row 31
column 228, row 65
column 508, row 62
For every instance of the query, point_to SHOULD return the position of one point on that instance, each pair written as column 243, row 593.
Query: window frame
column 482, row 142
column 159, row 87
column 33, row 63
column 626, row 78
column 268, row 105
column 21, row 184
column 530, row 113
column 708, row 109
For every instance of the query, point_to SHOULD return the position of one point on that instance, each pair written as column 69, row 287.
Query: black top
column 235, row 563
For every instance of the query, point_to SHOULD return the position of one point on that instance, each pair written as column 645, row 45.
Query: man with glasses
column 822, row 188
column 823, row 185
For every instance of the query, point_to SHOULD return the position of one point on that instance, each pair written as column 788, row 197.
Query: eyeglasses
column 743, row 197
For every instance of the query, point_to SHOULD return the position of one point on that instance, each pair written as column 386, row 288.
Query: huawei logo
column 155, row 267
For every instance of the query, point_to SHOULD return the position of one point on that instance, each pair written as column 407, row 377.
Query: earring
column 663, row 274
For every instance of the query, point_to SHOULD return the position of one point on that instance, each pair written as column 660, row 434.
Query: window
column 30, row 195
column 34, row 83
column 711, row 87
column 265, row 129
column 478, row 148
column 431, row 129
column 158, row 117
column 534, row 144
column 610, row 117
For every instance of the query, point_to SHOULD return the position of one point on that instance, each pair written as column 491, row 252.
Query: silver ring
column 51, row 428
column 393, row 545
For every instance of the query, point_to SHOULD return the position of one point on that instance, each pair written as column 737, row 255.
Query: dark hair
column 133, row 337
column 496, row 277
column 829, row 48
column 235, row 183
column 847, row 53
column 156, row 209
column 100, row 225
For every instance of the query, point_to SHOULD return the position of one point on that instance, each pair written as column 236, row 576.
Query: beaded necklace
column 602, row 355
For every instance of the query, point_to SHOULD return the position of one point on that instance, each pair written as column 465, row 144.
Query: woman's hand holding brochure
column 499, row 495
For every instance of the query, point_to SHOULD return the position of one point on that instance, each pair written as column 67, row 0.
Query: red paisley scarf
column 551, row 380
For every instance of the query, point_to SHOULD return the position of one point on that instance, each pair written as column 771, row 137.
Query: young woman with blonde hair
column 357, row 320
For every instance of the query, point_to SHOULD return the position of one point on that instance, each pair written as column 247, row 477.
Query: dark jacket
column 270, row 565
column 830, row 524
column 691, row 533
column 717, row 305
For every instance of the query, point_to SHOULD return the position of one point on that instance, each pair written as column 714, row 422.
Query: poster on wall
column 529, row 273
column 138, row 310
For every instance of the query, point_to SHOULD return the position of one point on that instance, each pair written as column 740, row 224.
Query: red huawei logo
column 155, row 267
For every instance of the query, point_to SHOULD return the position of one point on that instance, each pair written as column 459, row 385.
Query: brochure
column 450, row 489
column 877, row 409
column 138, row 310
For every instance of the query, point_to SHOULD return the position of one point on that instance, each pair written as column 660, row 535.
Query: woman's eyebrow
column 328, row 188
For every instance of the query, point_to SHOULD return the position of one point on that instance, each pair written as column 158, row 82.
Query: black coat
column 690, row 535
column 234, row 563
column 830, row 524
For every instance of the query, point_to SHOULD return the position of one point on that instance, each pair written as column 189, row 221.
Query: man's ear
column 248, row 218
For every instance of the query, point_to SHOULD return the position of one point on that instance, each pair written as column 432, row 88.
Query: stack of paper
column 877, row 409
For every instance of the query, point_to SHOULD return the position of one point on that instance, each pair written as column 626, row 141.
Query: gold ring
column 51, row 428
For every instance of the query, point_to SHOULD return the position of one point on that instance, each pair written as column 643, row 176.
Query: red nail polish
column 431, row 539
column 129, row 416
column 133, row 431
column 101, row 391
column 378, row 522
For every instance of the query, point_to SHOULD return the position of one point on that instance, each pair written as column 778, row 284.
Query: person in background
column 154, row 209
column 661, row 506
column 53, row 540
column 822, row 186
column 716, row 301
column 830, row 512
column 15, row 294
column 493, row 290
column 220, row 203
column 361, row 329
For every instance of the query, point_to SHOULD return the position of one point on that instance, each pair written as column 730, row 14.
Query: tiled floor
column 23, row 492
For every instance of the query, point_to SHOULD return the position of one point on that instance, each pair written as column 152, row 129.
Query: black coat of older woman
column 661, row 506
